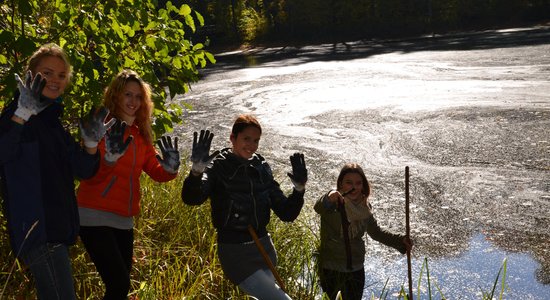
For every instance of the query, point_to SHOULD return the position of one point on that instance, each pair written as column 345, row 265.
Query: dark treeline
column 254, row 21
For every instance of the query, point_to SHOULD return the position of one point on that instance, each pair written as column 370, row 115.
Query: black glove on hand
column 93, row 126
column 299, row 172
column 199, row 155
column 170, row 160
column 115, row 145
column 29, row 103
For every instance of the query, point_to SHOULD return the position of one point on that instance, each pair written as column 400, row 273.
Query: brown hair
column 144, row 114
column 354, row 168
column 49, row 50
column 242, row 122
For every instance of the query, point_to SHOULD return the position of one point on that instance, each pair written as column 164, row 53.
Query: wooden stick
column 266, row 257
column 408, row 231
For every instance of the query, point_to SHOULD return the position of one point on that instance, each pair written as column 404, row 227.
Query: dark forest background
column 264, row 21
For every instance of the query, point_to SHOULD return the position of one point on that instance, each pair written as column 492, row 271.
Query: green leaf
column 210, row 57
column 190, row 22
column 62, row 42
column 185, row 10
column 150, row 41
column 200, row 18
column 61, row 6
column 116, row 28
column 90, row 23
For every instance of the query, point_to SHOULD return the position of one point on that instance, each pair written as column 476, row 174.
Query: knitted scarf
column 358, row 214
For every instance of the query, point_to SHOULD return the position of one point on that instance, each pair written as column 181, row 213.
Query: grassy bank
column 175, row 256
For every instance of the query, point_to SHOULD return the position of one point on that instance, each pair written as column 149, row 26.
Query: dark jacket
column 242, row 192
column 38, row 164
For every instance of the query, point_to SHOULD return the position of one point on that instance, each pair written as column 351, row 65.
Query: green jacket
column 333, row 252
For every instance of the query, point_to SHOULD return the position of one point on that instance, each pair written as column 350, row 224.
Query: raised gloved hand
column 201, row 148
column 299, row 171
column 29, row 103
column 115, row 145
column 170, row 160
column 93, row 126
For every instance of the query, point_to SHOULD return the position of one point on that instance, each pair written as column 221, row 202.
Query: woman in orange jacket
column 109, row 200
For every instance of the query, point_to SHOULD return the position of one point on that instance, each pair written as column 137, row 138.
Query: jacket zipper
column 132, row 177
column 109, row 186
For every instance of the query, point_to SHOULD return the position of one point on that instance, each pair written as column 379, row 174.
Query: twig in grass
column 15, row 262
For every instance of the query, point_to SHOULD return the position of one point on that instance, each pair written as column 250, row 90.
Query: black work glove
column 115, row 145
column 29, row 103
column 299, row 171
column 170, row 160
column 201, row 148
column 93, row 126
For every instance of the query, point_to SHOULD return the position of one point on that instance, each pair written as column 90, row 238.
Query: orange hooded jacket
column 116, row 188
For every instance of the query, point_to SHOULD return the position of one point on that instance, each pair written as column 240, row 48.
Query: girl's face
column 246, row 143
column 353, row 180
column 56, row 74
column 130, row 100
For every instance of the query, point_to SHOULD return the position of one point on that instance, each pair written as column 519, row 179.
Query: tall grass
column 175, row 255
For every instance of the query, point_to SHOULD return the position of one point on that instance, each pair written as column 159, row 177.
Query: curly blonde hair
column 145, row 112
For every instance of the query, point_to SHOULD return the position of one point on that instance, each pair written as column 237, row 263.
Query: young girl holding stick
column 346, row 215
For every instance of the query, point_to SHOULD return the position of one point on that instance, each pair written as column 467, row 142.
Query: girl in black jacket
column 242, row 193
column 39, row 161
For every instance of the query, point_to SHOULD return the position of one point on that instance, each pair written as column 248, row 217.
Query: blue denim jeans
column 50, row 266
column 262, row 285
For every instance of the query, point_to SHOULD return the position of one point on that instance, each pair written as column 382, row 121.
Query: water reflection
column 463, row 277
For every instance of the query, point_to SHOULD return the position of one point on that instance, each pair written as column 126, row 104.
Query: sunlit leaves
column 200, row 18
column 185, row 10
column 103, row 37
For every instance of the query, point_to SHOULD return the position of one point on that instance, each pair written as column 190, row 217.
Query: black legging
column 111, row 251
column 351, row 284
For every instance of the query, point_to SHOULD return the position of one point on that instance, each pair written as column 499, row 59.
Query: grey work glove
column 299, row 172
column 170, row 160
column 93, row 126
column 201, row 148
column 29, row 103
column 115, row 145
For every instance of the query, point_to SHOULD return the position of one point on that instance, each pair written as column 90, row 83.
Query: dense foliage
column 101, row 38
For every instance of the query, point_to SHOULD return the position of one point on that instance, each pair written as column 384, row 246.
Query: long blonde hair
column 145, row 112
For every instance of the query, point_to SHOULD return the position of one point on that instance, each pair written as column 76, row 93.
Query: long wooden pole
column 408, row 231
column 266, row 257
